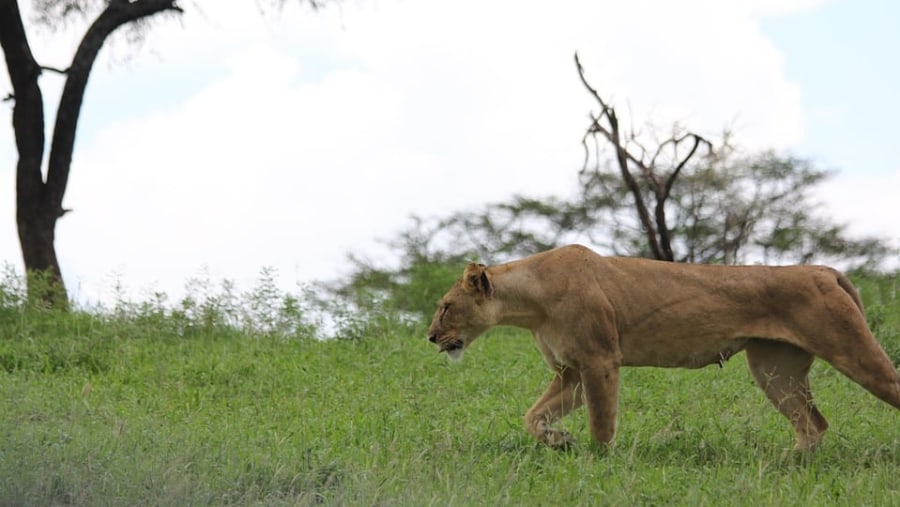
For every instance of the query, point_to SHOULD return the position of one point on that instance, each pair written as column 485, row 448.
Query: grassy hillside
column 154, row 408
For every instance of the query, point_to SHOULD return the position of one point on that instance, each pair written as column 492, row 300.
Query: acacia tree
column 39, row 196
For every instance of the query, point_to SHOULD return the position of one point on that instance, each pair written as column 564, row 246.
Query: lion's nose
column 432, row 338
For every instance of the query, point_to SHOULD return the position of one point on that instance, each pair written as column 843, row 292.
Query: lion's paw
column 558, row 439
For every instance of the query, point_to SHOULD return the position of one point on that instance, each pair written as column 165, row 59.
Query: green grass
column 150, row 411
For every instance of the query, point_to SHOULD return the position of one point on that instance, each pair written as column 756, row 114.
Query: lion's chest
column 558, row 352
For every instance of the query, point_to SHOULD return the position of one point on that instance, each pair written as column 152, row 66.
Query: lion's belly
column 687, row 353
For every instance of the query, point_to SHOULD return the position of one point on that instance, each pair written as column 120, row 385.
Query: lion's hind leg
column 781, row 370
column 563, row 395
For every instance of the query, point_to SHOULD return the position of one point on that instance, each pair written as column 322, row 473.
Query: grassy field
column 144, row 410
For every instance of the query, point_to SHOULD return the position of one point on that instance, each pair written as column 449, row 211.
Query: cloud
column 859, row 201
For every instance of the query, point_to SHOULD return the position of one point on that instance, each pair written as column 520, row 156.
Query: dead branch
column 622, row 156
column 606, row 124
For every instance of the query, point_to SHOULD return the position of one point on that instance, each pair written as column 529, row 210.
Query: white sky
column 233, row 140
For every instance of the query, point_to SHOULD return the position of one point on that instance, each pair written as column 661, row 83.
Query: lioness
column 591, row 314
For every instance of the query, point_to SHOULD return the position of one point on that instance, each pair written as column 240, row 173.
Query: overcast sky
column 233, row 140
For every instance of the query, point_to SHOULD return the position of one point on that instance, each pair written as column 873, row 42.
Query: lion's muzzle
column 446, row 343
column 451, row 346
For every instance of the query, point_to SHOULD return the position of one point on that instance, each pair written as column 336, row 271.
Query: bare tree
column 648, row 172
column 710, row 204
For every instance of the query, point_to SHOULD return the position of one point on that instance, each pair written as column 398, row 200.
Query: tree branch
column 697, row 141
column 622, row 156
column 116, row 14
column 54, row 69
column 664, row 191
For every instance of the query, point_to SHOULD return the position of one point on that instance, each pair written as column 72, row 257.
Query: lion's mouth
column 451, row 346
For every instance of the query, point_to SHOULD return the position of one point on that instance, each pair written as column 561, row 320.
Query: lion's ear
column 475, row 279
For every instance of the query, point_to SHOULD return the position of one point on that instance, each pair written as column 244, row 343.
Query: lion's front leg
column 601, row 392
column 563, row 395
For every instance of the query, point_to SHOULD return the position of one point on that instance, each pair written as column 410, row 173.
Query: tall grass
column 231, row 398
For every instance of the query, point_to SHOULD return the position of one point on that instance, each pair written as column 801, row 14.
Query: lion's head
column 463, row 313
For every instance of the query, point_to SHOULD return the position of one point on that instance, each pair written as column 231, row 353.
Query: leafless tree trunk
column 39, row 200
column 639, row 168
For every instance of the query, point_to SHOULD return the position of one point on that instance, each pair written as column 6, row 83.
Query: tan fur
column 590, row 315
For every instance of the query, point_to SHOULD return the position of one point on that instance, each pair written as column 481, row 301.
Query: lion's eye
column 444, row 309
